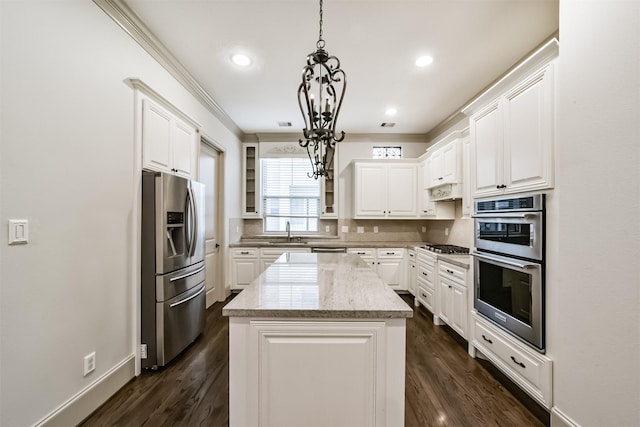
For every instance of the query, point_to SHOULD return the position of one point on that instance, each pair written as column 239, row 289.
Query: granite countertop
column 318, row 285
column 331, row 243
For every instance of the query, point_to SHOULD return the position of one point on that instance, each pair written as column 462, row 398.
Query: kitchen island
column 317, row 340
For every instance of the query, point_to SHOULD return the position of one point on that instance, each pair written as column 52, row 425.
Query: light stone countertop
column 332, row 243
column 318, row 285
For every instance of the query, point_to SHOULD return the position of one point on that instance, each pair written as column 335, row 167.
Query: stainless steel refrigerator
column 172, row 266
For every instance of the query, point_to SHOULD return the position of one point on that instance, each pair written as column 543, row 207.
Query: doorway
column 211, row 174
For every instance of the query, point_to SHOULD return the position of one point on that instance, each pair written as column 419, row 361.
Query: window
column 387, row 152
column 289, row 195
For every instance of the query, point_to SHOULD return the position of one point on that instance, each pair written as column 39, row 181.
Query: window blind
column 289, row 195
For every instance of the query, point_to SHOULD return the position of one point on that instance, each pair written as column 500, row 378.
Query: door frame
column 221, row 226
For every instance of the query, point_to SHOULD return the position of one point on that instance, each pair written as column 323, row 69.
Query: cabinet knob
column 449, row 271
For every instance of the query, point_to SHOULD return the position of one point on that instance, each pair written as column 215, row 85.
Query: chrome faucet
column 288, row 231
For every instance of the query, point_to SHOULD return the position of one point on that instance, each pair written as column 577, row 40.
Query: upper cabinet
column 329, row 191
column 512, row 129
column 250, row 181
column 428, row 208
column 385, row 189
column 446, row 165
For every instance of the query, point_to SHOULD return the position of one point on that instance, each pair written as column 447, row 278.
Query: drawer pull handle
column 517, row 363
column 244, row 253
column 360, row 253
column 487, row 339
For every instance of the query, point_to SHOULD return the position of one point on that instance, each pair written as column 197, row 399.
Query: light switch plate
column 345, row 228
column 360, row 229
column 18, row 231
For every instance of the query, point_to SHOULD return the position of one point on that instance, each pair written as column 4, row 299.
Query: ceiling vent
column 284, row 124
column 387, row 125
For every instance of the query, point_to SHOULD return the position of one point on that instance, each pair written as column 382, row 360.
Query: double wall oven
column 509, row 265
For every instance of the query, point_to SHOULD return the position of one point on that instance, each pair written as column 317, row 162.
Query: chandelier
column 320, row 98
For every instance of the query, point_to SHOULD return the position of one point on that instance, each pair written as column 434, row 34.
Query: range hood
column 445, row 192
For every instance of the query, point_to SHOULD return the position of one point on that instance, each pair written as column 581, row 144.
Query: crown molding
column 132, row 25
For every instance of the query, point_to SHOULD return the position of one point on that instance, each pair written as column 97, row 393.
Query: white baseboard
column 91, row 397
column 559, row 419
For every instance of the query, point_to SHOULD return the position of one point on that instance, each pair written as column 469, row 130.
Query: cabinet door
column 467, row 200
column 156, row 136
column 451, row 162
column 528, row 135
column 370, row 190
column 459, row 310
column 436, row 170
column 250, row 181
column 444, row 301
column 244, row 271
column 486, row 134
column 427, row 207
column 401, row 192
column 184, row 141
column 390, row 271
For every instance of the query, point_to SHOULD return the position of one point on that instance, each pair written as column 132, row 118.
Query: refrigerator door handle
column 194, row 222
column 187, row 299
column 184, row 276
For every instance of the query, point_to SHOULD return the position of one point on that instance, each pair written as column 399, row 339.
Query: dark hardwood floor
column 444, row 386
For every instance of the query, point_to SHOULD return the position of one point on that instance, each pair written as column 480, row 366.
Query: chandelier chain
column 320, row 43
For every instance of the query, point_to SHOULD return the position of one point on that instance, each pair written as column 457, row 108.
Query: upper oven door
column 516, row 234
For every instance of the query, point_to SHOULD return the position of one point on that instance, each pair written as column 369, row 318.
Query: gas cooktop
column 446, row 249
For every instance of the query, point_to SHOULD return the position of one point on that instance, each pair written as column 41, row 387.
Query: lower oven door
column 179, row 322
column 510, row 293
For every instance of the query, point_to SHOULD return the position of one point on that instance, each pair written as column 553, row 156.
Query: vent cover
column 284, row 124
column 387, row 125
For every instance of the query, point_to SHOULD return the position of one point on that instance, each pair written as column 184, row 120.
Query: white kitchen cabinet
column 251, row 181
column 467, row 182
column 245, row 267
column 512, row 129
column 453, row 307
column 269, row 255
column 412, row 271
column 385, row 189
column 530, row 370
column 329, row 191
column 446, row 165
column 390, row 267
column 169, row 144
column 428, row 208
column 426, row 279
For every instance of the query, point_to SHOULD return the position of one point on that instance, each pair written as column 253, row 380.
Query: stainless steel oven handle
column 498, row 215
column 187, row 299
column 502, row 261
column 173, row 279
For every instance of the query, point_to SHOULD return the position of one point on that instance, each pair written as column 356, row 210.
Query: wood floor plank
column 444, row 386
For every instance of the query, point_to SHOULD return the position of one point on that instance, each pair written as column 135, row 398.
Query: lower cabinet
column 389, row 263
column 248, row 263
column 530, row 370
column 245, row 267
column 452, row 308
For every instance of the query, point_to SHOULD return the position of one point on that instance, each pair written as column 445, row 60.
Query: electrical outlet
column 327, row 228
column 424, row 229
column 345, row 228
column 89, row 363
column 446, row 231
column 360, row 229
column 375, row 228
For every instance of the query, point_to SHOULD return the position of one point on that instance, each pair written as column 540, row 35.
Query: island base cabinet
column 294, row 372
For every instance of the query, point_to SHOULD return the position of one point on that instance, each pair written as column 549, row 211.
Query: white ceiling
column 473, row 42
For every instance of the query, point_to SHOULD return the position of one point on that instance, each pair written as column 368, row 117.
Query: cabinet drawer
column 452, row 272
column 276, row 252
column 245, row 252
column 425, row 296
column 364, row 253
column 390, row 253
column 426, row 257
column 412, row 255
column 515, row 358
column 425, row 272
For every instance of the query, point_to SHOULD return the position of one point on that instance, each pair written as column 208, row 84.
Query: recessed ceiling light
column 423, row 61
column 241, row 60
column 391, row 111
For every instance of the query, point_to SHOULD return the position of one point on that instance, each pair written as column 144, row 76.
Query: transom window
column 288, row 194
column 387, row 152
